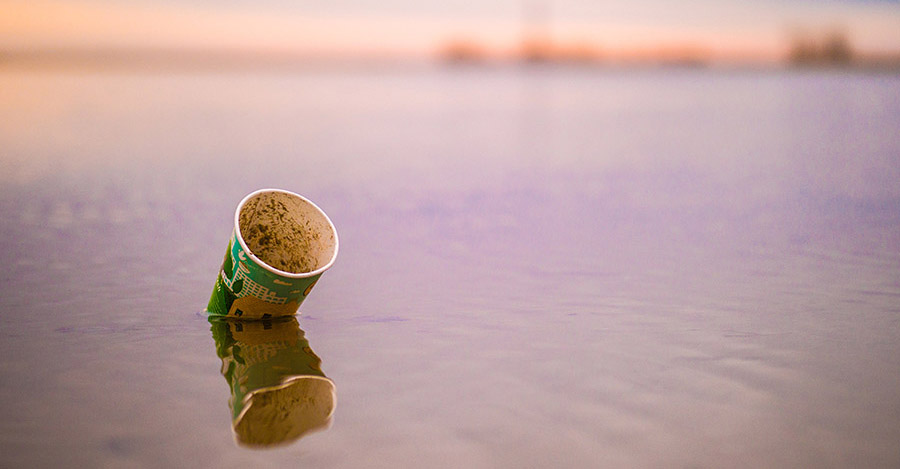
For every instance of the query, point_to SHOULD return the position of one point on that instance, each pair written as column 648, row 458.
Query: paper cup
column 280, row 246
column 278, row 390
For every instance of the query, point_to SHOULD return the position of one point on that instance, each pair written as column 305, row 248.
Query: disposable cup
column 281, row 245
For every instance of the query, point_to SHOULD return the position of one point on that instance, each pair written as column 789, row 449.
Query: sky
column 418, row 28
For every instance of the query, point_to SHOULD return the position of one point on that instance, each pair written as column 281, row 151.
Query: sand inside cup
column 287, row 232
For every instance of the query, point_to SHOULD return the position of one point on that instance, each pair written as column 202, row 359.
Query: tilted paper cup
column 280, row 246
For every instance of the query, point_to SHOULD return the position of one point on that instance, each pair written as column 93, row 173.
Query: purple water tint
column 539, row 267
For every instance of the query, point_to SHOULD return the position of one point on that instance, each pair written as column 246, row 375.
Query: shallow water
column 539, row 267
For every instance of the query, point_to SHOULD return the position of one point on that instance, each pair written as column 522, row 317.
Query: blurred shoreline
column 454, row 54
column 182, row 59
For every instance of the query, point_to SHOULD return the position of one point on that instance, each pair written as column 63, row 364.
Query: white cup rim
column 260, row 262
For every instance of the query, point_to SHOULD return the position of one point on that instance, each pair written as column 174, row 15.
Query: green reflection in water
column 278, row 389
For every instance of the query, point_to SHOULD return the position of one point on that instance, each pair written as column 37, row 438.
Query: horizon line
column 232, row 57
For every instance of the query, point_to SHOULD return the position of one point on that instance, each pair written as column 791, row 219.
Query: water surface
column 539, row 267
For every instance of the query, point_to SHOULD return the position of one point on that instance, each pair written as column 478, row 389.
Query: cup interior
column 287, row 232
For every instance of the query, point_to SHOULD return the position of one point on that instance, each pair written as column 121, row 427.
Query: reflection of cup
column 280, row 246
column 278, row 390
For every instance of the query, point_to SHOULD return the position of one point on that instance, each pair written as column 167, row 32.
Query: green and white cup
column 281, row 244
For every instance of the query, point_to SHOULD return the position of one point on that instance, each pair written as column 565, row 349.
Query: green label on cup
column 244, row 289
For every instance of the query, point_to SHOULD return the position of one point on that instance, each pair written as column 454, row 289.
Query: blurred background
column 862, row 32
column 573, row 233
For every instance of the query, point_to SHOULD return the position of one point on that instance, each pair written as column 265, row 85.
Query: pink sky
column 723, row 28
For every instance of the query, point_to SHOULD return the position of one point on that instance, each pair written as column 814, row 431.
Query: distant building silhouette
column 829, row 49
